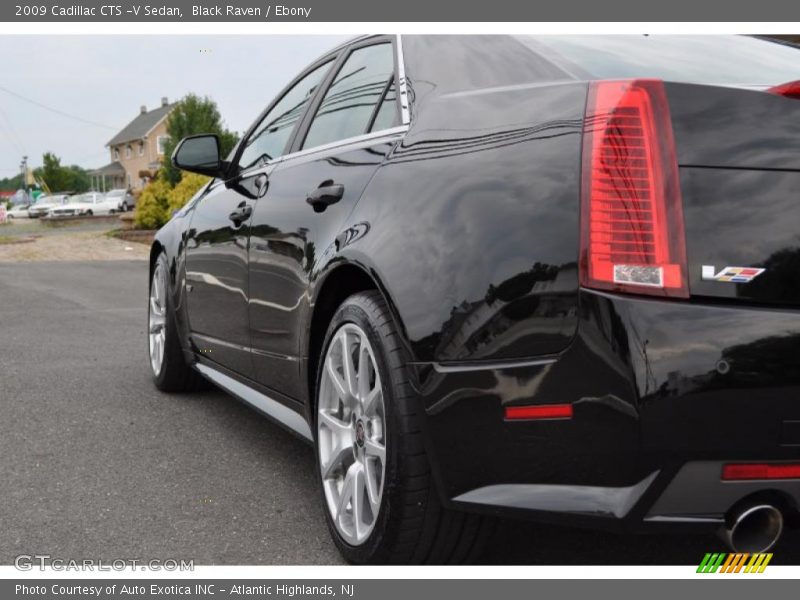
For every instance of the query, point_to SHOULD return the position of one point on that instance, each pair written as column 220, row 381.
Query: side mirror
column 200, row 154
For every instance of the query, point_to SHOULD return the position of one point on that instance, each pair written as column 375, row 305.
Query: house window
column 161, row 142
column 129, row 181
column 128, row 151
column 116, row 153
column 141, row 148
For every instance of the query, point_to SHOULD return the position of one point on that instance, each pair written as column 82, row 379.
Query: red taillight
column 790, row 90
column 632, row 236
column 744, row 471
column 540, row 411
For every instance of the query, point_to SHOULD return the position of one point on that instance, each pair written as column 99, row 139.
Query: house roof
column 110, row 169
column 141, row 125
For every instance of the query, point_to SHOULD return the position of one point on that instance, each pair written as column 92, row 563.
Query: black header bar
column 401, row 11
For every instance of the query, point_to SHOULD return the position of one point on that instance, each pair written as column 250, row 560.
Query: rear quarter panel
column 473, row 223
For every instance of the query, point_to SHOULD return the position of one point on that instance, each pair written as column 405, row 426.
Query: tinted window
column 271, row 136
column 348, row 104
column 723, row 59
column 387, row 115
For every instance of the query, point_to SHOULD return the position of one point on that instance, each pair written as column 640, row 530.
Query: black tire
column 175, row 374
column 412, row 526
column 89, row 213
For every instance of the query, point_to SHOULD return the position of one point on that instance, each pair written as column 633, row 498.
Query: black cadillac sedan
column 544, row 277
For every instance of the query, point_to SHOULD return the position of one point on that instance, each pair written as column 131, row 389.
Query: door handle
column 241, row 214
column 326, row 194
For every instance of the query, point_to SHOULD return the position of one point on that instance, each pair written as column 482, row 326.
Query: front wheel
column 167, row 362
column 381, row 505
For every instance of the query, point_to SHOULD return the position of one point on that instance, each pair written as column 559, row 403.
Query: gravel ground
column 95, row 462
column 29, row 240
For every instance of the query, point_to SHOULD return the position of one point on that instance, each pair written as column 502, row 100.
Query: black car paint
column 468, row 224
column 740, row 176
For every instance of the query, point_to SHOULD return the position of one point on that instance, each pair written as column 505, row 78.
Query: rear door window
column 348, row 107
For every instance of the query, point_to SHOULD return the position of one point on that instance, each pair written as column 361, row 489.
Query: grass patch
column 7, row 239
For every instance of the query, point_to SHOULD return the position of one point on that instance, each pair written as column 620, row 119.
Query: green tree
column 191, row 116
column 54, row 176
column 59, row 178
column 11, row 184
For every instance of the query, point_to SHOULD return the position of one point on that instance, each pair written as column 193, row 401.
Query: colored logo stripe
column 734, row 563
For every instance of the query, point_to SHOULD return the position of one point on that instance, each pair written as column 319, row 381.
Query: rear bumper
column 663, row 393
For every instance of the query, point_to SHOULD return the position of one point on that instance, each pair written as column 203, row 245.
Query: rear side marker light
column 790, row 90
column 746, row 471
column 540, row 411
column 632, row 234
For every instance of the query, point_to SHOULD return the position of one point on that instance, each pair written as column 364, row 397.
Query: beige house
column 136, row 151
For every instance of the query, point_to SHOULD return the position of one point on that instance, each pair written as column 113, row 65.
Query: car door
column 353, row 123
column 217, row 257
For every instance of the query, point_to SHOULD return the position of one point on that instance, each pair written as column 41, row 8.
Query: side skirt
column 273, row 409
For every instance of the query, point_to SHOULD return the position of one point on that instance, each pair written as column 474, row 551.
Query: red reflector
column 632, row 235
column 541, row 411
column 743, row 471
column 790, row 90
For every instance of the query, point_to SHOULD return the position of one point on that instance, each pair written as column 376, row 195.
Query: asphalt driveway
column 95, row 463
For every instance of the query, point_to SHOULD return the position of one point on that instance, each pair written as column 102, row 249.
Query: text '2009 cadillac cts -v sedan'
column 550, row 277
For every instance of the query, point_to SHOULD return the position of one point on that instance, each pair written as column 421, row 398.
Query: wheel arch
column 155, row 249
column 331, row 290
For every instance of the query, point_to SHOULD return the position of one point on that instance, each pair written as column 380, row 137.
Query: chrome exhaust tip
column 753, row 529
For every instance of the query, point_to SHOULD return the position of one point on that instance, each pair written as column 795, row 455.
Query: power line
column 55, row 110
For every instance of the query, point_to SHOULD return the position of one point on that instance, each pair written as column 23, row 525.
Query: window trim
column 351, row 141
column 402, row 83
column 159, row 150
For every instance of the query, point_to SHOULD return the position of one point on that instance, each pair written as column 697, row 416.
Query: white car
column 123, row 198
column 43, row 205
column 20, row 211
column 88, row 204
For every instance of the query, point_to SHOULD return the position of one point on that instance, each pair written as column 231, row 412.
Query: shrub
column 152, row 208
column 188, row 186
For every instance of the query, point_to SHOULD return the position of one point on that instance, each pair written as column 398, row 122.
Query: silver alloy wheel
column 351, row 434
column 157, row 318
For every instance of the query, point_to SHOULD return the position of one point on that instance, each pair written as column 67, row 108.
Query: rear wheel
column 167, row 362
column 381, row 505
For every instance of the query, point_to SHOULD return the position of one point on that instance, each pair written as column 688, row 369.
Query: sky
column 105, row 79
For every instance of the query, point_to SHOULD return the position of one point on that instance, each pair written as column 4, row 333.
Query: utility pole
column 24, row 167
